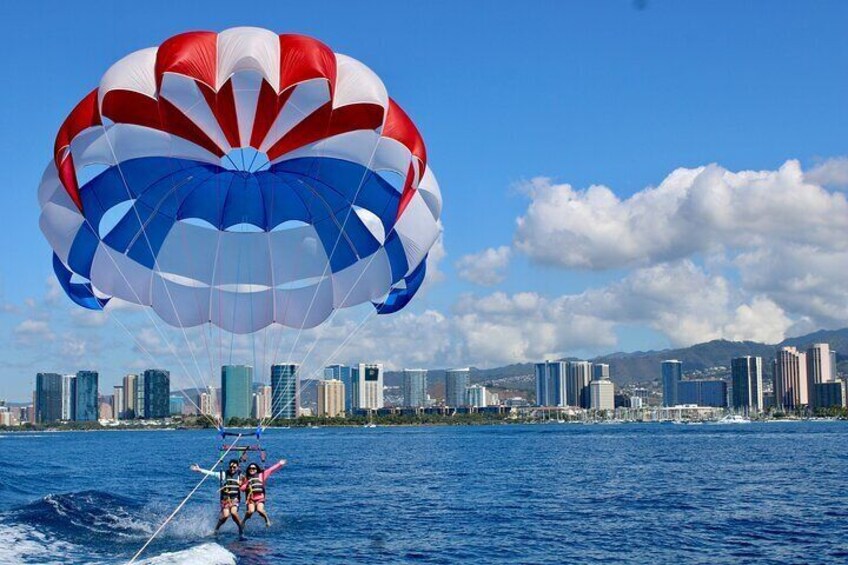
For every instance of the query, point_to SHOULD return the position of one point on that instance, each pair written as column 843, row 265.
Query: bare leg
column 225, row 514
column 260, row 507
column 234, row 515
column 251, row 508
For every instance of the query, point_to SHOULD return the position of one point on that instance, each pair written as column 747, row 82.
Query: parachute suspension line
column 344, row 300
column 335, row 246
column 150, row 248
column 183, row 503
column 187, row 254
column 144, row 350
column 162, row 334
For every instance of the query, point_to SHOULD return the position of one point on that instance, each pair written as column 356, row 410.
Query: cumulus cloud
column 485, row 268
column 831, row 172
column 692, row 211
column 781, row 236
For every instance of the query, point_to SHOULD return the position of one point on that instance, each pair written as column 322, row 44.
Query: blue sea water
column 653, row 493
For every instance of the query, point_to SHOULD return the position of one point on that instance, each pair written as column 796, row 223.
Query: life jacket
column 230, row 485
column 255, row 485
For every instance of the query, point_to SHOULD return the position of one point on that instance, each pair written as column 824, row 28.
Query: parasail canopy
column 241, row 178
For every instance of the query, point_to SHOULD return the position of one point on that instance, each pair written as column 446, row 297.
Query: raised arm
column 207, row 472
column 273, row 469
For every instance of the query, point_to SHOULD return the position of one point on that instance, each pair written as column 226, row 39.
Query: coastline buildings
column 207, row 402
column 118, row 402
column 672, row 374
column 821, row 372
column 551, row 383
column 138, row 405
column 579, row 377
column 48, row 398
column 129, row 396
column 790, row 379
column 367, row 384
column 344, row 374
column 456, row 381
column 475, row 395
column 157, row 393
column 236, row 391
column 702, row 392
column 284, row 391
column 262, row 402
column 86, row 408
column 415, row 388
column 331, row 398
column 600, row 371
column 602, row 394
column 746, row 375
column 69, row 397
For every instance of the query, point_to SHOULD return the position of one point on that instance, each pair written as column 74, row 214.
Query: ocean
column 546, row 493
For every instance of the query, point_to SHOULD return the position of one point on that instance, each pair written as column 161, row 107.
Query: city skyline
column 585, row 245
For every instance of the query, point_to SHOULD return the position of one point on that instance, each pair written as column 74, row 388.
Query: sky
column 616, row 176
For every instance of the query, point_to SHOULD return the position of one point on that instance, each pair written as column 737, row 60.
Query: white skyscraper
column 368, row 386
column 602, row 394
column 69, row 397
column 119, row 406
column 475, row 395
column 818, row 364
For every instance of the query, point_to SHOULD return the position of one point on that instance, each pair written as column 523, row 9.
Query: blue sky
column 580, row 93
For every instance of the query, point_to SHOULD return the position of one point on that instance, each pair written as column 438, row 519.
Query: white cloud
column 485, row 268
column 692, row 211
column 33, row 332
column 780, row 236
column 831, row 172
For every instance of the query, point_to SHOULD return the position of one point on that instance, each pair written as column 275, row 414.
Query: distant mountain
column 641, row 366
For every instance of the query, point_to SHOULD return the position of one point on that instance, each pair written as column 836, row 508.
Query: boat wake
column 99, row 527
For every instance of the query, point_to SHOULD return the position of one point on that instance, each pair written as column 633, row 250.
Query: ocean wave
column 84, row 515
column 20, row 543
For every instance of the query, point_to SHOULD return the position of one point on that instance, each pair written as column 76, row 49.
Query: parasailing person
column 253, row 486
column 230, row 481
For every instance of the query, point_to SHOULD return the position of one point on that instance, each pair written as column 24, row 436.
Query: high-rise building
column 331, row 398
column 69, row 397
column 119, row 407
column 600, row 371
column 157, row 393
column 475, row 395
column 707, row 392
column 415, row 387
column 579, row 377
column 129, row 396
column 834, row 373
column 368, row 386
column 636, row 402
column 236, row 391
column 829, row 394
column 207, row 402
column 86, row 408
column 48, row 398
column 104, row 408
column 284, row 391
column 672, row 374
column 602, row 394
column 747, row 383
column 818, row 368
column 139, row 407
column 262, row 402
column 790, row 379
column 345, row 374
column 176, row 404
column 456, row 381
column 551, row 383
